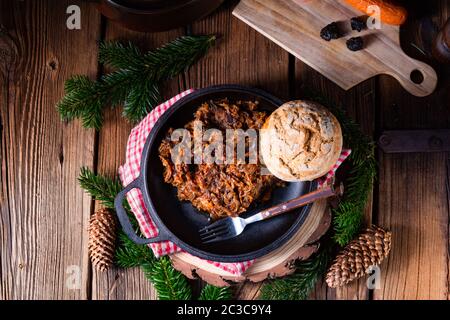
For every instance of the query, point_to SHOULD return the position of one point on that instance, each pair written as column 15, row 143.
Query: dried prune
column 358, row 23
column 330, row 31
column 355, row 44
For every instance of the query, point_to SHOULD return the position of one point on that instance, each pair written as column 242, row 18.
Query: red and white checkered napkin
column 131, row 170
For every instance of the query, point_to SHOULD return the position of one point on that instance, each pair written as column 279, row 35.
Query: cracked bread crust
column 300, row 141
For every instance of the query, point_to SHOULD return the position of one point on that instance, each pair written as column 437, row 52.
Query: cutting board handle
column 416, row 77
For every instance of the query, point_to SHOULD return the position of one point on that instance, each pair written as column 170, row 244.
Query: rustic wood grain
column 44, row 214
column 112, row 140
column 296, row 24
column 417, row 213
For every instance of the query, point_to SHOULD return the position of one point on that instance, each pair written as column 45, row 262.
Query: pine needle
column 120, row 56
column 140, row 100
column 178, row 55
column 210, row 292
column 130, row 254
column 348, row 216
column 170, row 283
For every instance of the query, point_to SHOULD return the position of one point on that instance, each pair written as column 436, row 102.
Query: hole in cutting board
column 416, row 76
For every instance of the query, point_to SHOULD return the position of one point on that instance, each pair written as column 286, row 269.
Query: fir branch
column 134, row 83
column 104, row 189
column 348, row 216
column 101, row 188
column 170, row 283
column 76, row 88
column 210, row 292
column 299, row 285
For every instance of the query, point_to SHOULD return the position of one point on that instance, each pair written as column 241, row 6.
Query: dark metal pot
column 179, row 221
column 156, row 15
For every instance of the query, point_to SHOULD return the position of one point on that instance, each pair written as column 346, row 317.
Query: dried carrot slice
column 390, row 13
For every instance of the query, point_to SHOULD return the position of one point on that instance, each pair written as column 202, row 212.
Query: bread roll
column 300, row 141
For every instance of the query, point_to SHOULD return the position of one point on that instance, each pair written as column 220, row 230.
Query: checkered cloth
column 131, row 169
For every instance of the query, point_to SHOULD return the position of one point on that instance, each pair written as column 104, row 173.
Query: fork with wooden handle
column 231, row 227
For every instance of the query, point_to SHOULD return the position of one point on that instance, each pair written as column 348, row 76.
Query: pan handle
column 125, row 221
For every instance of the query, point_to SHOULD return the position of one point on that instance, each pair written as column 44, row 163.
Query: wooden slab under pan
column 295, row 25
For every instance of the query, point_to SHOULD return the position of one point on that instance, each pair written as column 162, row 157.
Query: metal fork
column 231, row 227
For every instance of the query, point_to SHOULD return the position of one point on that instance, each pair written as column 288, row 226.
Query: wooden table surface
column 44, row 213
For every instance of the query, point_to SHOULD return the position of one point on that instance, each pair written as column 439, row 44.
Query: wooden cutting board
column 295, row 25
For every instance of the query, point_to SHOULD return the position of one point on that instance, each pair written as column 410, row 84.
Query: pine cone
column 354, row 261
column 102, row 239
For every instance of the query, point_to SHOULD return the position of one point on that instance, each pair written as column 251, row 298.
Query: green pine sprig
column 120, row 56
column 135, row 82
column 210, row 292
column 101, row 188
column 168, row 282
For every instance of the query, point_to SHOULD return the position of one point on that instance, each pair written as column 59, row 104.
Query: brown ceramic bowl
column 178, row 221
column 156, row 15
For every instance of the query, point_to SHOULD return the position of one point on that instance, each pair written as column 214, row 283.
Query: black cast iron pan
column 179, row 221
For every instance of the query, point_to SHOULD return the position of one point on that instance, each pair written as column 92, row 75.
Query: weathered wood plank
column 44, row 214
column 359, row 103
column 119, row 283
